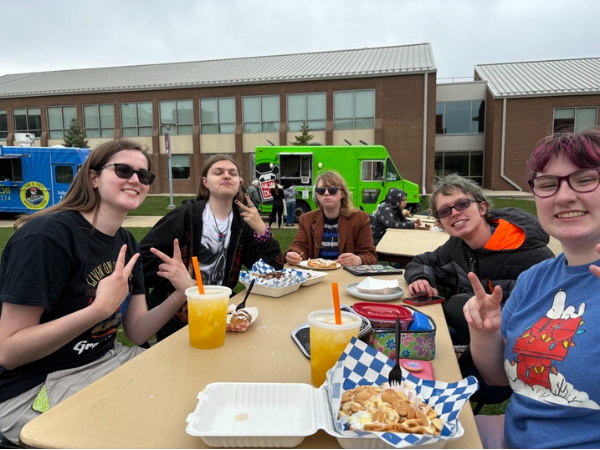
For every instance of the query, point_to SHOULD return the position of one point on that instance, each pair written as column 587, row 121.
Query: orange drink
column 207, row 314
column 328, row 340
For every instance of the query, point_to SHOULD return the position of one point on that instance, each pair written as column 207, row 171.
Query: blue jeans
column 291, row 212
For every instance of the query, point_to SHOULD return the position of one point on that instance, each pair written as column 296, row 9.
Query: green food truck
column 368, row 170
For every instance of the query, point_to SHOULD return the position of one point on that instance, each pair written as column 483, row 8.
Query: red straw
column 198, row 276
column 336, row 303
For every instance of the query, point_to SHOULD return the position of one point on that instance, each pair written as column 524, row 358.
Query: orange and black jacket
column 517, row 243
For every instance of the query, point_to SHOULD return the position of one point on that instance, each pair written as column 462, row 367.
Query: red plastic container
column 382, row 315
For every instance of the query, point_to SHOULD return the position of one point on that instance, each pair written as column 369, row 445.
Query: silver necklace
column 223, row 233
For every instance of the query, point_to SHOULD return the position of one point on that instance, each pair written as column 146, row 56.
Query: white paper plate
column 351, row 289
column 315, row 277
column 306, row 266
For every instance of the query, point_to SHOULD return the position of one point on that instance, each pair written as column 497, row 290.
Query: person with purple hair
column 543, row 343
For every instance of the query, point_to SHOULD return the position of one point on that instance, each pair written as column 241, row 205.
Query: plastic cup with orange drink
column 207, row 315
column 328, row 340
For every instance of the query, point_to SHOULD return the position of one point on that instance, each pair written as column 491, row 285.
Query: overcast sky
column 44, row 35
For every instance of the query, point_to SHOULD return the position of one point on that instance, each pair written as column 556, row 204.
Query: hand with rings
column 251, row 216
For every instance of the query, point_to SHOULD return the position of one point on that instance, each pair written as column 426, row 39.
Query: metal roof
column 542, row 78
column 359, row 63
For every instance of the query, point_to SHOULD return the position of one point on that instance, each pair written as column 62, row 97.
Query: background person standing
column 290, row 193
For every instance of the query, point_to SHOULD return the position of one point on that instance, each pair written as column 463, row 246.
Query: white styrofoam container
column 268, row 415
column 272, row 291
column 315, row 277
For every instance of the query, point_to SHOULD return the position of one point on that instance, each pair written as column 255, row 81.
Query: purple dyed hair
column 581, row 148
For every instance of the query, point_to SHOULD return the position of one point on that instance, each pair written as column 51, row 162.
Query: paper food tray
column 283, row 414
column 276, row 287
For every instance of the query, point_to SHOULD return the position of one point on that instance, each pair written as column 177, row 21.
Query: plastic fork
column 395, row 375
column 243, row 304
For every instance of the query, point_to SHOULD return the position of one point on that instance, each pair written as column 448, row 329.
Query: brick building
column 387, row 96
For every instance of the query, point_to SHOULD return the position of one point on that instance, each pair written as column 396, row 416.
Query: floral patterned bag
column 417, row 344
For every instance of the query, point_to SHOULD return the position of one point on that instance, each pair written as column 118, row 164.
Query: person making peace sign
column 222, row 236
column 69, row 277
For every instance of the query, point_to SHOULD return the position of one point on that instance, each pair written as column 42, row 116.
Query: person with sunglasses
column 69, row 276
column 544, row 341
column 391, row 214
column 336, row 230
column 495, row 245
column 217, row 228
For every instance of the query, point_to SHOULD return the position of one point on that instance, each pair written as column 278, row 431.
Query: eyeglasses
column 582, row 181
column 460, row 205
column 125, row 171
column 331, row 189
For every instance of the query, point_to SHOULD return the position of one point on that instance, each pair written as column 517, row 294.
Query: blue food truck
column 33, row 178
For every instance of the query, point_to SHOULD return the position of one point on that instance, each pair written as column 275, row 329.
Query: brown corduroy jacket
column 354, row 236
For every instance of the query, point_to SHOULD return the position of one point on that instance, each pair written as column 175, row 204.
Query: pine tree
column 74, row 136
column 304, row 138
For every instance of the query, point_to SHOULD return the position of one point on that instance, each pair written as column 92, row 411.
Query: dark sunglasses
column 125, row 171
column 331, row 189
column 460, row 205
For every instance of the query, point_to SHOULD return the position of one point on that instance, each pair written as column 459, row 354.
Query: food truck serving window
column 11, row 169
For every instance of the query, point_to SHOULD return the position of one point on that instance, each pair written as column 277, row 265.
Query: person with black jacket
column 390, row 214
column 496, row 245
column 217, row 228
column 278, row 204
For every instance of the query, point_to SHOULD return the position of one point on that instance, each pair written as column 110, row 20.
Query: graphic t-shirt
column 212, row 256
column 551, row 322
column 56, row 262
column 329, row 244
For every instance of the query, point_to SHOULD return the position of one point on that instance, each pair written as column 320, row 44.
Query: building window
column 99, row 121
column 180, row 167
column 180, row 113
column 468, row 164
column 3, row 124
column 217, row 115
column 59, row 119
column 261, row 114
column 575, row 119
column 460, row 117
column 28, row 120
column 136, row 119
column 354, row 110
column 306, row 108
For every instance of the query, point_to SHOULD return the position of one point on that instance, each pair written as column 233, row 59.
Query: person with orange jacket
column 495, row 245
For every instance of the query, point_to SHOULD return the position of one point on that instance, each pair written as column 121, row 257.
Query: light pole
column 168, row 150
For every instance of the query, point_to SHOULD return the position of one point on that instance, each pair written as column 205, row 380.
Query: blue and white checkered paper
column 361, row 364
column 290, row 277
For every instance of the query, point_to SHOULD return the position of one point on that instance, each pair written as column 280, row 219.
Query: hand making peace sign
column 483, row 311
column 251, row 216
column 113, row 290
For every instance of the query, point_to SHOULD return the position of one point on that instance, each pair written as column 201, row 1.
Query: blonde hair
column 331, row 178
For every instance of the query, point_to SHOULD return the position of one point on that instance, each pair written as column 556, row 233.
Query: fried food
column 320, row 263
column 397, row 410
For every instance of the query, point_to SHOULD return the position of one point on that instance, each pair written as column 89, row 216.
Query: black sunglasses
column 125, row 171
column 331, row 189
column 460, row 205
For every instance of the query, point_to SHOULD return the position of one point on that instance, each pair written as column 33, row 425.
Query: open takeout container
column 283, row 414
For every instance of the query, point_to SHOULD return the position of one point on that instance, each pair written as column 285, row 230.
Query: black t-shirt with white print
column 56, row 262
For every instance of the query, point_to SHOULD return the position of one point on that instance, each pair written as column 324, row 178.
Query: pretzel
column 371, row 408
